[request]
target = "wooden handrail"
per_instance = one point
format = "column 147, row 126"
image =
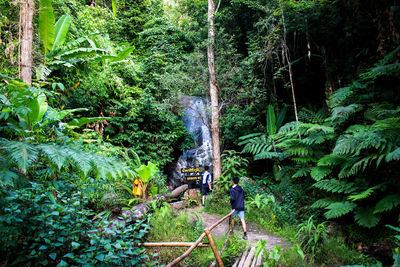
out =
column 195, row 244
column 171, row 244
column 184, row 255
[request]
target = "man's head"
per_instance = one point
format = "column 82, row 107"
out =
column 235, row 180
column 206, row 168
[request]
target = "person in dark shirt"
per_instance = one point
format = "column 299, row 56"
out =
column 205, row 184
column 237, row 202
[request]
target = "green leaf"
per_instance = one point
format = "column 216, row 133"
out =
column 123, row 54
column 42, row 247
column 61, row 30
column 75, row 245
column 53, row 256
column 17, row 84
column 69, row 255
column 281, row 116
column 100, row 257
column 46, row 25
column 62, row 264
column 38, row 107
column 114, row 7
column 271, row 122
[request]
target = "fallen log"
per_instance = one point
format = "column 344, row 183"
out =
column 141, row 209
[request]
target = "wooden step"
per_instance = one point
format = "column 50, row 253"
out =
column 249, row 258
column 244, row 256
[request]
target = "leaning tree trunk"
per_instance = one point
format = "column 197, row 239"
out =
column 286, row 53
column 26, row 13
column 217, row 168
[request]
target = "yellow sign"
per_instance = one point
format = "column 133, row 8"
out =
column 186, row 170
column 193, row 178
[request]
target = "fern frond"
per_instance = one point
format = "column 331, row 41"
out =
column 249, row 136
column 346, row 144
column 321, row 203
column 365, row 216
column 320, row 172
column 303, row 172
column 305, row 159
column 338, row 209
column 314, row 139
column 341, row 96
column 81, row 160
column 7, row 177
column 347, row 168
column 335, row 186
column 342, row 114
column 23, row 154
column 289, row 127
column 57, row 155
column 364, row 194
column 331, row 160
column 387, row 203
column 269, row 155
column 394, row 155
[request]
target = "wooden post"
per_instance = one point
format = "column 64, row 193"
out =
column 214, row 248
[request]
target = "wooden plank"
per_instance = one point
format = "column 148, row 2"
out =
column 244, row 256
column 249, row 258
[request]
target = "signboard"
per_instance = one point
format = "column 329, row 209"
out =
column 193, row 176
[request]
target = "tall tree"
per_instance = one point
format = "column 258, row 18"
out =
column 217, row 168
column 26, row 18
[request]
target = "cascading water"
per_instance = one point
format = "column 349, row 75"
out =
column 196, row 122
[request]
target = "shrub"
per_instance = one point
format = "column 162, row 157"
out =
column 51, row 226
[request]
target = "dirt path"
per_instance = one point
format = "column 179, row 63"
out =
column 254, row 233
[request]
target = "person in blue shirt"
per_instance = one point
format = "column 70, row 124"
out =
column 237, row 202
column 205, row 184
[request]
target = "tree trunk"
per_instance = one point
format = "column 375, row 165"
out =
column 286, row 54
column 217, row 168
column 26, row 14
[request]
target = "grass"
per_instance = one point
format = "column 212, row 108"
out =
column 168, row 225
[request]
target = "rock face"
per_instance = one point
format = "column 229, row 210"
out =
column 196, row 122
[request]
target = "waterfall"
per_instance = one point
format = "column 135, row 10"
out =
column 196, row 123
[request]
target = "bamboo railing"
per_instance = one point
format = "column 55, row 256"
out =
column 197, row 243
column 207, row 232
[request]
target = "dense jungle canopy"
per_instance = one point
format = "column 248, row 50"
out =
column 308, row 106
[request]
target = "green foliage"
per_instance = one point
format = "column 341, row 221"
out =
column 232, row 165
column 51, row 225
column 311, row 237
column 46, row 25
